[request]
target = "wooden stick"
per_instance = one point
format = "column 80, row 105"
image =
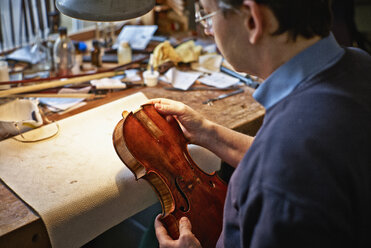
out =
column 58, row 83
column 55, row 95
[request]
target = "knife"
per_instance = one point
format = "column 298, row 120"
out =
column 223, row 96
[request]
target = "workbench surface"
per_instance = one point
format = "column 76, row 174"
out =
column 21, row 226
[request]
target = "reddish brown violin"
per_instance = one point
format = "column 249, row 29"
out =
column 156, row 150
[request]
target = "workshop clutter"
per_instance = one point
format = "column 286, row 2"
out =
column 186, row 52
column 19, row 116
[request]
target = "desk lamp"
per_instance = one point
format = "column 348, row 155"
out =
column 104, row 10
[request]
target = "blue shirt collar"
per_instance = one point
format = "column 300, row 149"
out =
column 300, row 68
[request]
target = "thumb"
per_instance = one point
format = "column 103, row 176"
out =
column 185, row 226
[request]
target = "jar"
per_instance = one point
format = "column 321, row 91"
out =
column 124, row 53
column 4, row 75
column 64, row 54
column 95, row 54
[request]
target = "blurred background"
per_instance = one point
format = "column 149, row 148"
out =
column 22, row 21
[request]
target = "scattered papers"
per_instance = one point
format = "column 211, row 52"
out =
column 132, row 75
column 25, row 54
column 184, row 80
column 219, row 80
column 74, row 91
column 138, row 36
column 210, row 48
column 108, row 83
column 180, row 79
column 208, row 63
column 62, row 104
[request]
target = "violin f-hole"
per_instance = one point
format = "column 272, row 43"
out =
column 182, row 208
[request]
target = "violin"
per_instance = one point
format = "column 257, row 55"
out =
column 156, row 150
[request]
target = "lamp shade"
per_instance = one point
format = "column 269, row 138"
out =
column 104, row 10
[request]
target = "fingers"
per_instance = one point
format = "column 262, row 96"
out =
column 161, row 101
column 191, row 122
column 168, row 107
column 185, row 226
column 186, row 237
column 161, row 232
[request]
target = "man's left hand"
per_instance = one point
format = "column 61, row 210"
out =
column 186, row 237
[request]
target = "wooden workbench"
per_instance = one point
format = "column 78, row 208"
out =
column 20, row 226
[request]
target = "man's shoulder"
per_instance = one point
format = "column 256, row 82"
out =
column 340, row 91
column 323, row 123
column 358, row 54
column 311, row 131
column 320, row 110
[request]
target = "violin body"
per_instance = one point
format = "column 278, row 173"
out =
column 156, row 150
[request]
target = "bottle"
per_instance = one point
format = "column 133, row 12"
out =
column 54, row 20
column 124, row 53
column 80, row 50
column 96, row 58
column 64, row 54
column 52, row 38
column 4, row 75
column 40, row 56
column 108, row 39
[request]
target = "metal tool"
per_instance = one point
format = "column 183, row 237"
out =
column 223, row 96
column 196, row 88
column 246, row 80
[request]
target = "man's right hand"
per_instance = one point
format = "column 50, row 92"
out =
column 227, row 144
column 195, row 127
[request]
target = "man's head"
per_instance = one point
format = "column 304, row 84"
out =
column 307, row 18
column 257, row 36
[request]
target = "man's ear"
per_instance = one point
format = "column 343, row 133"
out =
column 254, row 22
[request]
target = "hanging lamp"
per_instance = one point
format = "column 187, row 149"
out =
column 104, row 10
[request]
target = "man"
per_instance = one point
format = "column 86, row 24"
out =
column 305, row 180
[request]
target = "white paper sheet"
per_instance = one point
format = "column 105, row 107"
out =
column 132, row 75
column 180, row 79
column 74, row 91
column 219, row 80
column 108, row 83
column 59, row 104
column 208, row 63
column 62, row 105
column 138, row 36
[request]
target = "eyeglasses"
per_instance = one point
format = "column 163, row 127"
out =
column 204, row 18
